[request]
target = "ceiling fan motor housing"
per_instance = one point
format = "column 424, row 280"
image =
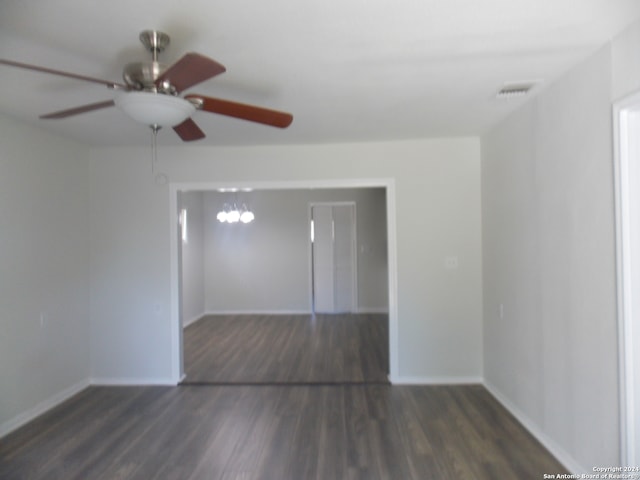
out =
column 143, row 75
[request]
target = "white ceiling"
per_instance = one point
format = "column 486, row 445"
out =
column 348, row 70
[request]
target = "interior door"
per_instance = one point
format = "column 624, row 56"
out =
column 334, row 258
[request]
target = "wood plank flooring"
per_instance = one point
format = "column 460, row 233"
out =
column 319, row 432
column 249, row 349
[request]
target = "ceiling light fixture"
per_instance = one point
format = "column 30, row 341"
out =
column 231, row 213
column 155, row 109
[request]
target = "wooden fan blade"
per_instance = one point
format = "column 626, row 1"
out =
column 244, row 111
column 191, row 69
column 62, row 74
column 77, row 110
column 189, row 131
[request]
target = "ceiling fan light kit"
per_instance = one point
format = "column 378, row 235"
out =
column 154, row 109
column 150, row 94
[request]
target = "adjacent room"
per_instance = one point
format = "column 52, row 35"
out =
column 294, row 293
column 291, row 240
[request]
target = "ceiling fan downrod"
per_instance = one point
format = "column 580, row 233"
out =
column 155, row 42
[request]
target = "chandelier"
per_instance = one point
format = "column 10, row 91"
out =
column 232, row 213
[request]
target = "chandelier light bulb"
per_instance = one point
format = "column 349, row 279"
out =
column 247, row 216
column 222, row 216
column 233, row 216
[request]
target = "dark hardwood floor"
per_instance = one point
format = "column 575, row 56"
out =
column 305, row 425
column 319, row 432
column 249, row 349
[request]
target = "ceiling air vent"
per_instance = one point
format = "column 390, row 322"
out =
column 514, row 90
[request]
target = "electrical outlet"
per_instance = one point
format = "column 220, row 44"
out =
column 450, row 263
column 43, row 319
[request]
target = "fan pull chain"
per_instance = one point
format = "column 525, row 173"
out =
column 154, row 147
column 159, row 178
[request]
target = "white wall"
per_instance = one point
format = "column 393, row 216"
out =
column 129, row 243
column 549, row 258
column 264, row 266
column 626, row 62
column 44, row 260
column 192, row 257
column 438, row 214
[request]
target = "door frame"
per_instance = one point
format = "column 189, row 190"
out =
column 354, row 250
column 177, row 365
column 628, row 350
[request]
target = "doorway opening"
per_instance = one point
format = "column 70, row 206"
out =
column 627, row 184
column 268, row 288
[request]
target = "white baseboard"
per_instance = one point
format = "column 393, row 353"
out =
column 259, row 312
column 193, row 320
column 416, row 380
column 42, row 407
column 556, row 450
column 132, row 382
column 281, row 312
column 373, row 310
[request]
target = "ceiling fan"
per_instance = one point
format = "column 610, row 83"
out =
column 150, row 92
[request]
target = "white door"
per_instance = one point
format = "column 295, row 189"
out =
column 334, row 258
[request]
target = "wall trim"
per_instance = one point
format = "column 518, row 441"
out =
column 418, row 380
column 556, row 450
column 279, row 312
column 42, row 407
column 373, row 310
column 133, row 382
column 625, row 203
column 193, row 320
column 258, row 312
